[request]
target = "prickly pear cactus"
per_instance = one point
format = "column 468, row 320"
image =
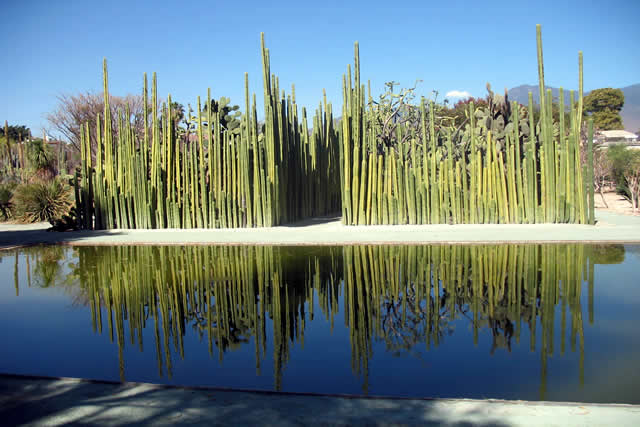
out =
column 229, row 114
column 498, row 118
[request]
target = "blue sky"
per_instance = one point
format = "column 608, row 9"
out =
column 56, row 47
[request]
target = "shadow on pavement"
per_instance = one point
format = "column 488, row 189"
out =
column 13, row 238
column 314, row 221
column 27, row 400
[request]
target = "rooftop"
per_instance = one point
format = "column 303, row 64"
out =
column 616, row 134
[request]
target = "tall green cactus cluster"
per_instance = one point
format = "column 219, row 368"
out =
column 254, row 177
column 502, row 167
column 301, row 169
column 527, row 173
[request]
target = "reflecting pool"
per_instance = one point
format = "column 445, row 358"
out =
column 533, row 322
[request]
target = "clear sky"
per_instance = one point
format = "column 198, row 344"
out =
column 54, row 47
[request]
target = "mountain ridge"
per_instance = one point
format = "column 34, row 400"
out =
column 630, row 111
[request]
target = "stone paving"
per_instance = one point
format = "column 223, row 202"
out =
column 52, row 402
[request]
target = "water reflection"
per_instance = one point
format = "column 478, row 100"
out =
column 406, row 297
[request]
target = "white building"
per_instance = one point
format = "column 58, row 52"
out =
column 611, row 137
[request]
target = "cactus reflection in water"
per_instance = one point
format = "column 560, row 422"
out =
column 404, row 296
column 224, row 293
column 410, row 295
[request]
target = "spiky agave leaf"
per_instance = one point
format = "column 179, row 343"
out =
column 42, row 201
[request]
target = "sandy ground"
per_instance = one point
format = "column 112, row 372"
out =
column 48, row 401
column 615, row 203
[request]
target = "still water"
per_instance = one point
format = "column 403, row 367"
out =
column 551, row 322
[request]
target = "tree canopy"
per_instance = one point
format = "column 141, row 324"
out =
column 604, row 106
column 73, row 111
column 16, row 132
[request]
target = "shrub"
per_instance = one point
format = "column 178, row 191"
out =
column 67, row 222
column 632, row 176
column 6, row 206
column 42, row 201
column 626, row 172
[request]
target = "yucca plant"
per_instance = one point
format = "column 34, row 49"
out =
column 42, row 201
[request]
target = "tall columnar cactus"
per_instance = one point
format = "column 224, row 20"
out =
column 503, row 168
column 8, row 147
column 589, row 174
column 229, row 176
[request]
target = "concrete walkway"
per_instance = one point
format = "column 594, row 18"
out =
column 39, row 401
column 610, row 227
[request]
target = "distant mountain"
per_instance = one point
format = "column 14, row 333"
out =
column 630, row 112
column 521, row 94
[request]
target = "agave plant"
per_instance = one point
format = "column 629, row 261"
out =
column 6, row 206
column 42, row 201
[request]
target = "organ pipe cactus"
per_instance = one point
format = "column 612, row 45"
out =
column 505, row 168
column 230, row 176
column 502, row 167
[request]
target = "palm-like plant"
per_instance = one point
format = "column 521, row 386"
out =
column 41, row 159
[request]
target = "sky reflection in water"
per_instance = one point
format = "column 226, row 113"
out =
column 552, row 322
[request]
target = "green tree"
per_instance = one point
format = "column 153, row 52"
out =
column 177, row 117
column 626, row 171
column 605, row 105
column 617, row 154
column 16, row 133
column 41, row 159
column 6, row 204
column 396, row 116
